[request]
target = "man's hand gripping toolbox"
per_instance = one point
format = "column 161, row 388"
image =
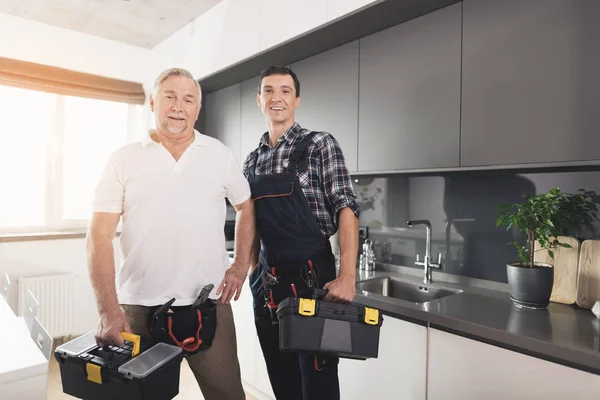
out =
column 133, row 371
column 348, row 330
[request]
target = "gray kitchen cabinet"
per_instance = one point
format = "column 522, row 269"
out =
column 253, row 120
column 531, row 87
column 329, row 97
column 409, row 98
column 223, row 117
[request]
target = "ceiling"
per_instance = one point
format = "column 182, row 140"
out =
column 143, row 23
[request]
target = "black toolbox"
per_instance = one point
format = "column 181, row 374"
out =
column 122, row 373
column 317, row 326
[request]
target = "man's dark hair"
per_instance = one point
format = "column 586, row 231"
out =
column 278, row 70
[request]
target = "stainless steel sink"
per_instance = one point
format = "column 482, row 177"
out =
column 401, row 290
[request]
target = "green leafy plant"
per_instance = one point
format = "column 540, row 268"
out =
column 546, row 216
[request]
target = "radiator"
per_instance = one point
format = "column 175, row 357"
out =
column 55, row 295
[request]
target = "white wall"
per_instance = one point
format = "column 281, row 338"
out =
column 49, row 257
column 234, row 30
column 45, row 44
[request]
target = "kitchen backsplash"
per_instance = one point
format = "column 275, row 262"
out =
column 462, row 208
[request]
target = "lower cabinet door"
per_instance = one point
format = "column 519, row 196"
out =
column 398, row 373
column 461, row 368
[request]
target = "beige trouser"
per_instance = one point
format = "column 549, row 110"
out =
column 216, row 369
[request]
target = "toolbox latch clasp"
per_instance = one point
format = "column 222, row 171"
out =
column 371, row 316
column 94, row 372
column 307, row 307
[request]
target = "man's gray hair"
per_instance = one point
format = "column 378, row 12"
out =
column 175, row 72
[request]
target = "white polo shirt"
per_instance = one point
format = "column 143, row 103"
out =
column 173, row 217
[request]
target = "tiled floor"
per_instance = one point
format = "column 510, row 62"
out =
column 188, row 387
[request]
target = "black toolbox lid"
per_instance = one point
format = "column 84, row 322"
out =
column 352, row 312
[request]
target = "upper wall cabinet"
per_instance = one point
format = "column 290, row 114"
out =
column 253, row 120
column 329, row 97
column 409, row 102
column 222, row 117
column 531, row 86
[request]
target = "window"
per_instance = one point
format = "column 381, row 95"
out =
column 53, row 149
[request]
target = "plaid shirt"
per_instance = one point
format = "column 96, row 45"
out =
column 326, row 183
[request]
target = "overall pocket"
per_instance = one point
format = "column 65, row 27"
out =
column 276, row 210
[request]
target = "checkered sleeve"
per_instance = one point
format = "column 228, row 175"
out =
column 246, row 165
column 336, row 181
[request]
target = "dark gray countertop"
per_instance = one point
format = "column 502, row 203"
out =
column 563, row 334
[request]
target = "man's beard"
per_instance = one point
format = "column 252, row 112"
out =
column 174, row 130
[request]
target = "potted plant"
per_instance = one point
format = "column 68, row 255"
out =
column 543, row 218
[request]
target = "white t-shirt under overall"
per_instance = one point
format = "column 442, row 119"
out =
column 173, row 216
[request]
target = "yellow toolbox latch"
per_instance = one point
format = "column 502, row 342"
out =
column 307, row 307
column 371, row 316
column 94, row 372
column 135, row 339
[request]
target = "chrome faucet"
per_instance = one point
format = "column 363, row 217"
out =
column 427, row 264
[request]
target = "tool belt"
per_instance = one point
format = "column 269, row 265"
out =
column 191, row 327
column 289, row 281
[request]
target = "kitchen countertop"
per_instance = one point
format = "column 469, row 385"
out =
column 564, row 334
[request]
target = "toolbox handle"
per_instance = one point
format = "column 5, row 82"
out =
column 319, row 293
column 135, row 339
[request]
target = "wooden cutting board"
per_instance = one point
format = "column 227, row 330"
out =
column 565, row 263
column 588, row 279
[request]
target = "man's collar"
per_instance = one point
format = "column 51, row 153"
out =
column 147, row 139
column 289, row 136
column 199, row 139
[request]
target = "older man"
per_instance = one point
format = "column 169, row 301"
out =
column 170, row 191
